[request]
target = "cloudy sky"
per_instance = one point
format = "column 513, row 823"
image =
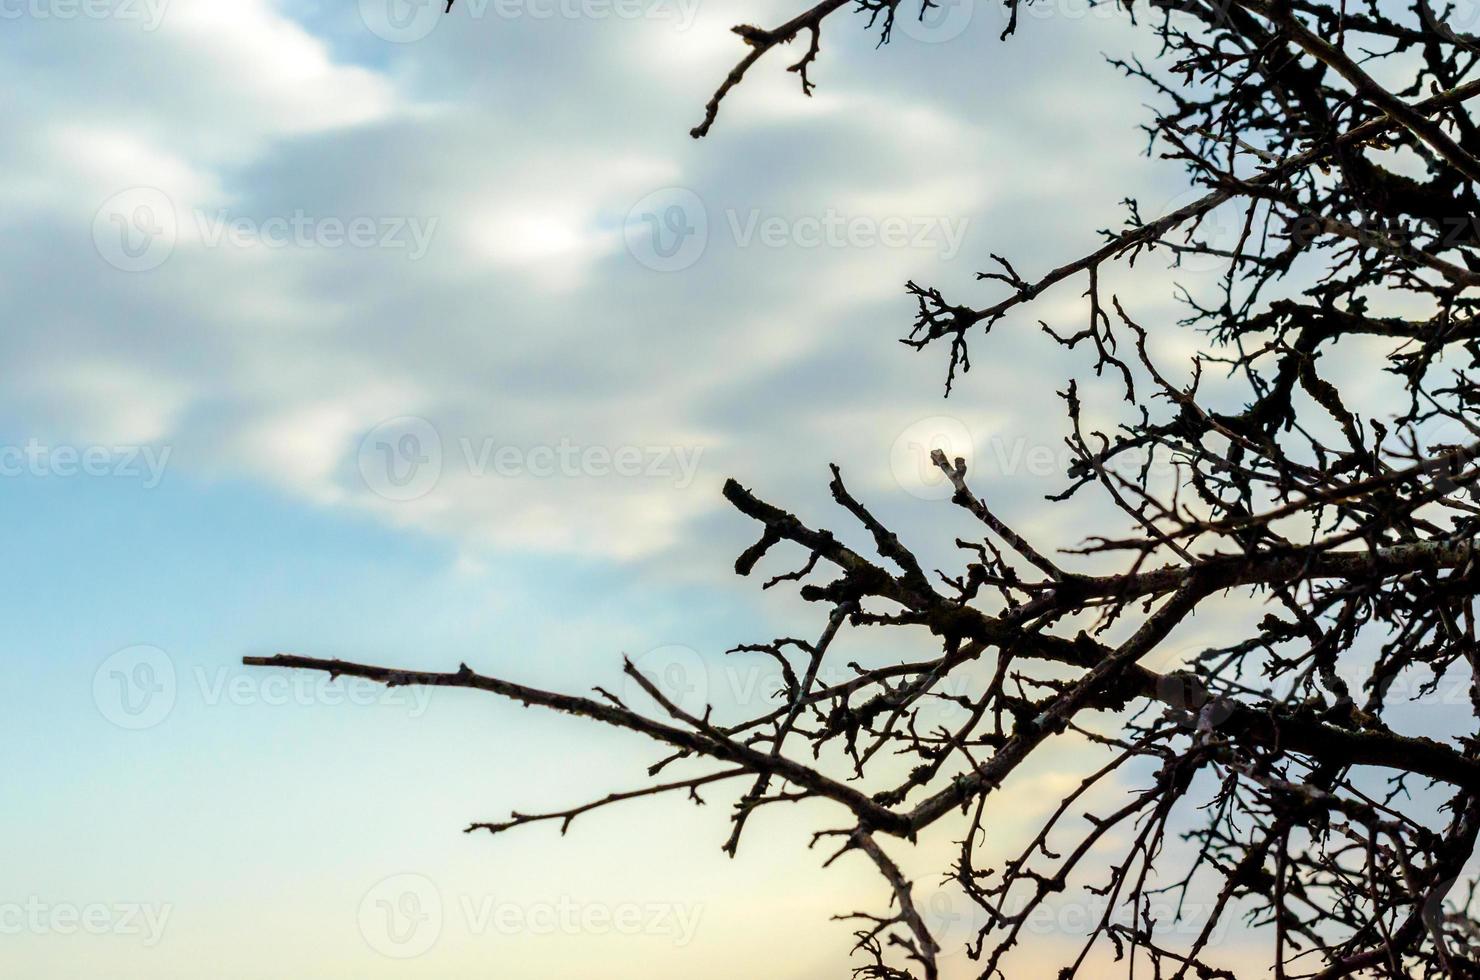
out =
column 352, row 330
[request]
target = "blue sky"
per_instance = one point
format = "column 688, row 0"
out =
column 507, row 296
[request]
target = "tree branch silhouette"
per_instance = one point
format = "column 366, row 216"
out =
column 1266, row 778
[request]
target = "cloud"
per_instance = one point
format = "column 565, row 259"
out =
column 263, row 346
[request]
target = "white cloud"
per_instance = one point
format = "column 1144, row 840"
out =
column 101, row 402
column 527, row 324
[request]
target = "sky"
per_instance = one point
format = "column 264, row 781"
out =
column 352, row 330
